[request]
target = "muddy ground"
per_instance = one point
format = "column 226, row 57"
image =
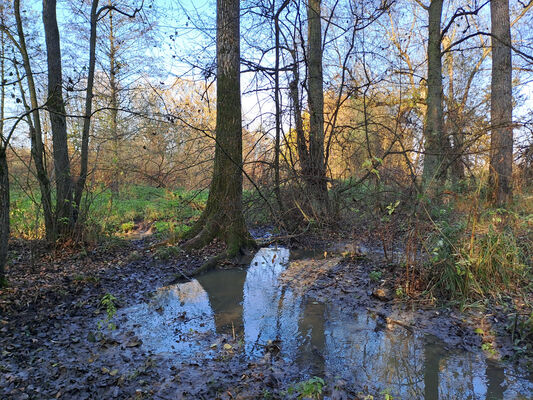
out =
column 54, row 341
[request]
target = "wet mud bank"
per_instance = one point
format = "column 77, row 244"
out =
column 260, row 331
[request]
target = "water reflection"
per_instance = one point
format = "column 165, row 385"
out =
column 270, row 312
column 225, row 291
column 177, row 319
column 323, row 339
column 359, row 348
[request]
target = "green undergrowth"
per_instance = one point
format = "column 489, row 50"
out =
column 170, row 212
column 476, row 251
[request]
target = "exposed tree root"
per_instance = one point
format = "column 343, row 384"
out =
column 211, row 264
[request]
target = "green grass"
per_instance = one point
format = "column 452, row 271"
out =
column 171, row 211
column 25, row 215
column 477, row 251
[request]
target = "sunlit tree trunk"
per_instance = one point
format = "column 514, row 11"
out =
column 317, row 179
column 435, row 144
column 56, row 108
column 223, row 216
column 501, row 108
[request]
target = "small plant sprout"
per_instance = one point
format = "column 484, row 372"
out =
column 375, row 275
column 108, row 303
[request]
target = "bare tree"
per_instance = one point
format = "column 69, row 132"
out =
column 501, row 110
column 84, row 156
column 223, row 215
column 56, row 108
column 4, row 172
column 435, row 140
column 317, row 174
column 33, row 119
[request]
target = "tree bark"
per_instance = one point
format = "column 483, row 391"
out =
column 4, row 173
column 301, row 142
column 4, row 212
column 317, row 180
column 223, row 216
column 113, row 86
column 454, row 126
column 56, row 108
column 36, row 135
column 277, row 101
column 84, row 156
column 435, row 147
column 501, row 108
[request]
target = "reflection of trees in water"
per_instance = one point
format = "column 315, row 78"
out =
column 269, row 312
column 462, row 376
column 324, row 339
column 432, row 361
column 362, row 351
column 358, row 349
column 310, row 354
column 171, row 321
column 470, row 376
column 225, row 290
column 496, row 381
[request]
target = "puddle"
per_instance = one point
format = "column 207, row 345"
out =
column 322, row 339
column 179, row 319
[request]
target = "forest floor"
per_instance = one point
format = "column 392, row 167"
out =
column 55, row 344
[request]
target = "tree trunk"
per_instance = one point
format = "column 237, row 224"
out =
column 36, row 136
column 84, row 156
column 4, row 173
column 454, row 126
column 501, row 107
column 223, row 216
column 277, row 101
column 301, row 145
column 56, row 108
column 317, row 180
column 4, row 213
column 113, row 86
column 435, row 140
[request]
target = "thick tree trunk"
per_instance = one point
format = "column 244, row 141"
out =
column 36, row 136
column 501, row 108
column 56, row 108
column 84, row 156
column 4, row 213
column 223, row 216
column 317, row 179
column 435, row 148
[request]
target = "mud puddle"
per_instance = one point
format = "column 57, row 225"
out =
column 326, row 339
